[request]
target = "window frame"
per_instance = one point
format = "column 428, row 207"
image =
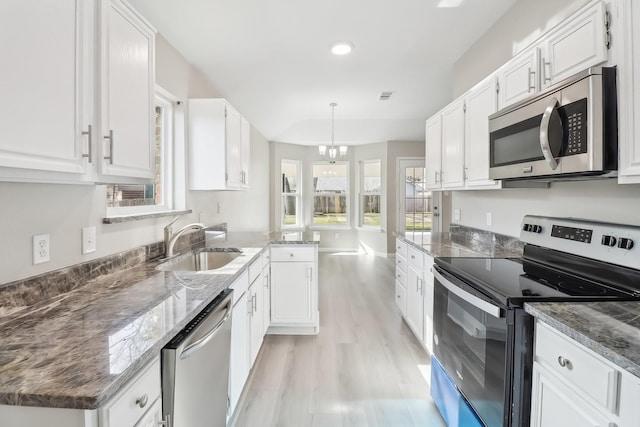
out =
column 166, row 101
column 298, row 197
column 348, row 209
column 362, row 194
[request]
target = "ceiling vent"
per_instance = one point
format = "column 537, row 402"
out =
column 384, row 96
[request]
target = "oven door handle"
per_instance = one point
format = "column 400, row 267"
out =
column 481, row 304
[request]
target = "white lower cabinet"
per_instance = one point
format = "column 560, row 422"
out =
column 153, row 417
column 239, row 355
column 294, row 289
column 415, row 293
column 574, row 386
column 256, row 318
column 266, row 297
column 428, row 303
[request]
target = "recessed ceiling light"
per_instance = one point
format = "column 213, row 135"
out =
column 341, row 48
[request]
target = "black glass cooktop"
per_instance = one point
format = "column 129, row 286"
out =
column 542, row 275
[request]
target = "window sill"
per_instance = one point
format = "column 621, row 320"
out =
column 371, row 229
column 116, row 219
column 330, row 227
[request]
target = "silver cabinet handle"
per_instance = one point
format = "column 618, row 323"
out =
column 546, row 64
column 565, row 363
column 89, row 144
column 532, row 85
column 142, row 400
column 110, row 156
column 436, row 175
column 266, row 281
column 545, row 145
column 255, row 302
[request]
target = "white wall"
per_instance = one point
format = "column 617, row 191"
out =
column 62, row 210
column 598, row 200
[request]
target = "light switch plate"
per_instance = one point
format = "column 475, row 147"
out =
column 489, row 218
column 456, row 214
column 88, row 240
column 41, row 248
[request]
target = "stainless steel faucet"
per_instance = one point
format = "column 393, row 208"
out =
column 170, row 237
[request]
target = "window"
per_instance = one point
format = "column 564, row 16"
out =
column 138, row 198
column 330, row 194
column 416, row 206
column 370, row 193
column 291, row 196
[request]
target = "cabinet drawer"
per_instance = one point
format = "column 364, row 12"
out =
column 401, row 276
column 401, row 263
column 401, row 248
column 401, row 298
column 240, row 286
column 289, row 253
column 255, row 268
column 578, row 366
column 125, row 409
column 416, row 258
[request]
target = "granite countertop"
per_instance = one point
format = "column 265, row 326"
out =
column 464, row 244
column 610, row 329
column 78, row 348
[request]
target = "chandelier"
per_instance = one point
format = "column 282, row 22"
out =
column 331, row 153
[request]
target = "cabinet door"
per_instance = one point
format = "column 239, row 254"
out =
column 453, row 145
column 291, row 288
column 266, row 298
column 127, row 80
column 415, row 301
column 233, row 137
column 239, row 356
column 628, row 52
column 153, row 417
column 519, row 78
column 576, row 45
column 433, row 152
column 555, row 404
column 428, row 304
column 46, row 84
column 256, row 327
column 481, row 102
column 245, row 151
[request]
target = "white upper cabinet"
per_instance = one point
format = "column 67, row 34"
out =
column 577, row 44
column 433, row 152
column 519, row 78
column 126, row 146
column 628, row 53
column 480, row 102
column 216, row 146
column 452, row 174
column 46, row 88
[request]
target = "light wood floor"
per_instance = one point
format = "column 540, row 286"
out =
column 364, row 368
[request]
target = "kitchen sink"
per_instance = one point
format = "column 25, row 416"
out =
column 203, row 260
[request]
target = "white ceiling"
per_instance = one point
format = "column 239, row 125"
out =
column 271, row 60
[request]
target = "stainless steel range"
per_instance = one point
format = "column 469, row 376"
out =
column 483, row 339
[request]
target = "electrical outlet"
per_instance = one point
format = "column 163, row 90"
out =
column 489, row 218
column 41, row 248
column 88, row 240
column 456, row 214
column 219, row 206
column 336, row 235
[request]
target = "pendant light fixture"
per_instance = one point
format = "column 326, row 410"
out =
column 331, row 154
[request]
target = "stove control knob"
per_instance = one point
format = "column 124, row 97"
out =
column 609, row 241
column 625, row 243
column 537, row 229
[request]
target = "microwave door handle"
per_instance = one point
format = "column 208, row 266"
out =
column 545, row 145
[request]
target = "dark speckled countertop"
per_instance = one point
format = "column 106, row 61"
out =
column 610, row 329
column 76, row 349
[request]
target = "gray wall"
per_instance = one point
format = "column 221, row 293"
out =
column 62, row 210
column 599, row 200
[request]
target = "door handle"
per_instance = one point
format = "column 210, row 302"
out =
column 545, row 145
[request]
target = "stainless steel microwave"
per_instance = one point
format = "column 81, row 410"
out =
column 568, row 130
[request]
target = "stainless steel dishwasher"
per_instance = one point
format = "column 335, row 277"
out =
column 195, row 368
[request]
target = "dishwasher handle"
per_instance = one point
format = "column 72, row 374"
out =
column 192, row 348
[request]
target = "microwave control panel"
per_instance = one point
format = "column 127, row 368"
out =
column 576, row 127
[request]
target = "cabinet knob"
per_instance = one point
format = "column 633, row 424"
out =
column 565, row 363
column 291, row 255
column 142, row 400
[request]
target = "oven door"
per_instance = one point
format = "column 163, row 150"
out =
column 470, row 342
